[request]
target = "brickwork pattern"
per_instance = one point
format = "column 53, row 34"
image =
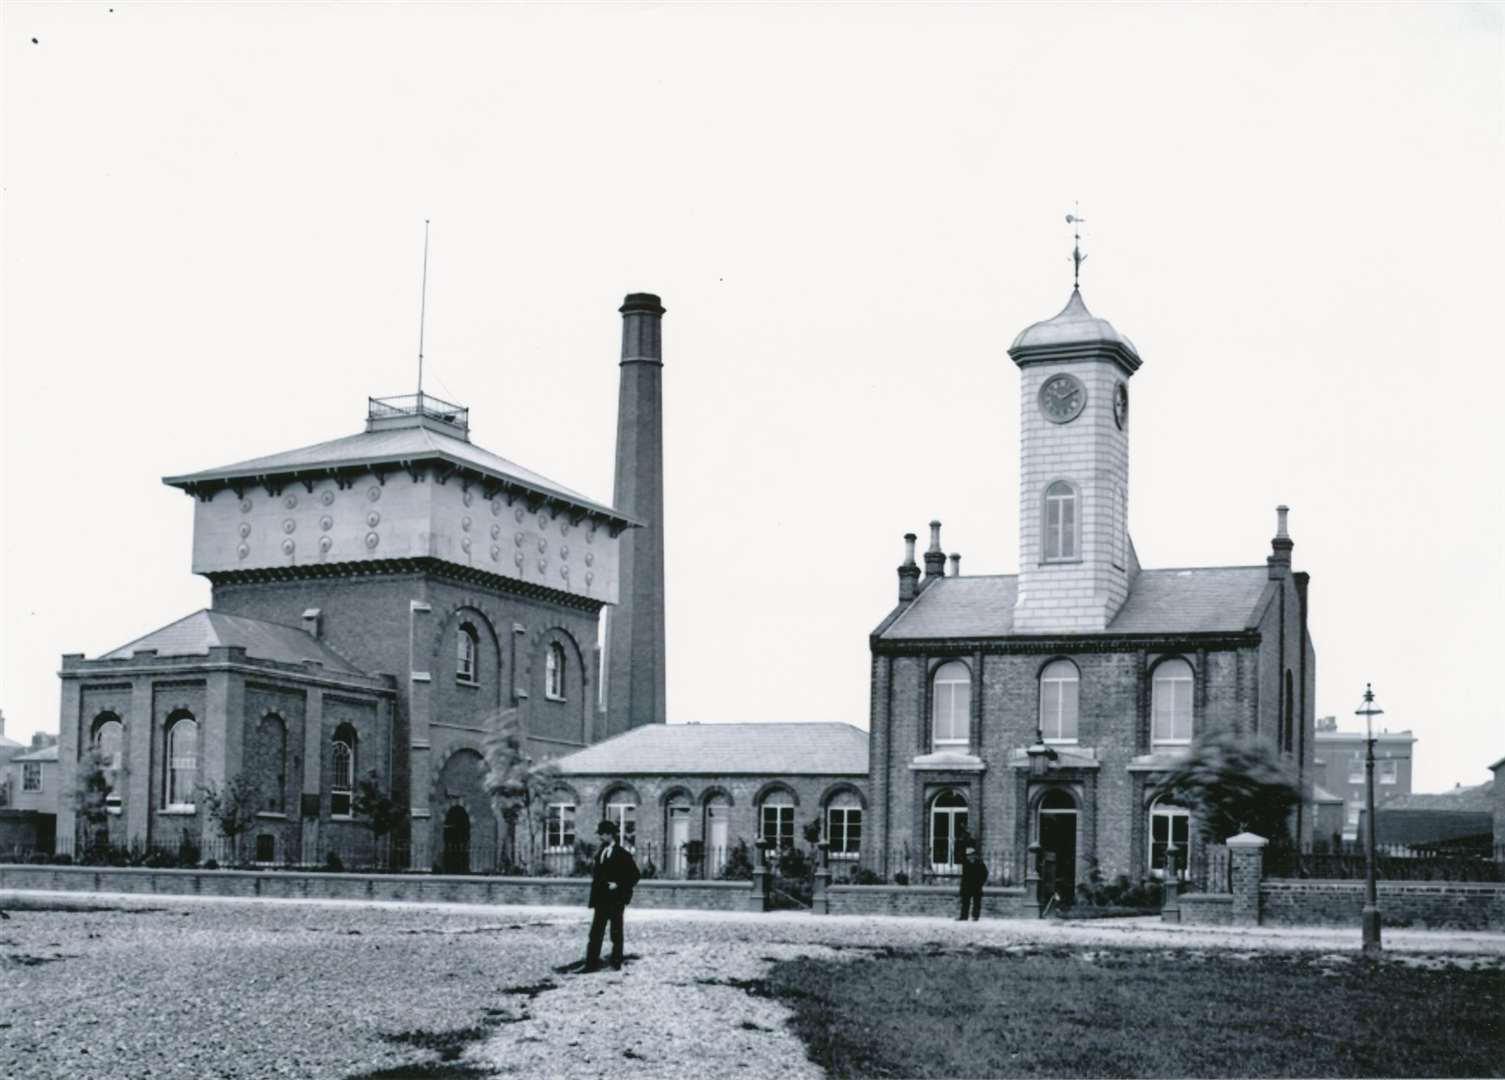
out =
column 1434, row 904
column 932, row 900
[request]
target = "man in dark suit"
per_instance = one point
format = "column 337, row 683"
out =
column 612, row 880
column 974, row 877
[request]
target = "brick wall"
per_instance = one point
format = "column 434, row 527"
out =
column 933, row 900
column 1450, row 904
column 1206, row 909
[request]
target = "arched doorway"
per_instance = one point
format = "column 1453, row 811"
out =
column 948, row 832
column 457, row 841
column 1058, row 819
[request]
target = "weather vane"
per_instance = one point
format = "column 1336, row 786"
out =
column 1077, row 258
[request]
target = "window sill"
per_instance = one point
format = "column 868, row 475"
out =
column 341, row 817
column 271, row 815
column 461, row 680
column 845, row 856
column 1061, row 562
column 178, row 811
column 1062, row 742
column 554, row 697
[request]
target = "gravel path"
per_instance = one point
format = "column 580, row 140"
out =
column 185, row 987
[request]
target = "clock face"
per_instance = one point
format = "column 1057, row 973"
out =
column 1062, row 398
column 1121, row 406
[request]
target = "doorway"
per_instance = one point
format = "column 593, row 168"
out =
column 456, row 858
column 1058, row 821
column 679, row 839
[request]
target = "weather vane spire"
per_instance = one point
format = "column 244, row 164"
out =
column 423, row 300
column 1077, row 258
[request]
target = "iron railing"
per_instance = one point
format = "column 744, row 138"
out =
column 1392, row 862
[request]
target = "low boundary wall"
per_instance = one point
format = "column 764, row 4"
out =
column 1206, row 909
column 1456, row 905
column 1006, row 902
column 438, row 889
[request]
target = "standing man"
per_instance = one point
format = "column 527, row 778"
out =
column 974, row 877
column 612, row 880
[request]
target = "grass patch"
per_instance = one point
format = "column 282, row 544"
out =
column 449, row 1045
column 1134, row 1013
column 434, row 1070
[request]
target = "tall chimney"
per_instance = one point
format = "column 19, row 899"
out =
column 935, row 558
column 1279, row 561
column 909, row 572
column 635, row 627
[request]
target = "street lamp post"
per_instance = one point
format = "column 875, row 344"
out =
column 1370, row 919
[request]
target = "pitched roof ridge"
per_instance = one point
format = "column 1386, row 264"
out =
column 1181, row 569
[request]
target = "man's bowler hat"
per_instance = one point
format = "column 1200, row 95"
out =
column 607, row 828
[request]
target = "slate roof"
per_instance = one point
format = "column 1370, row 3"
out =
column 1479, row 798
column 390, row 446
column 193, row 635
column 782, row 749
column 46, row 753
column 1214, row 599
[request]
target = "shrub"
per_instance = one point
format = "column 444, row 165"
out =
column 62, row 858
column 901, row 878
column 157, row 859
column 649, row 869
column 211, row 864
column 739, row 863
column 37, row 857
column 335, row 864
column 794, row 865
column 864, row 876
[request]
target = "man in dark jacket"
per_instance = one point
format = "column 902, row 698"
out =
column 974, row 877
column 612, row 880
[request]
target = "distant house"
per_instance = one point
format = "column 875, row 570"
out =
column 1328, row 814
column 1340, row 767
column 34, row 783
column 1448, row 818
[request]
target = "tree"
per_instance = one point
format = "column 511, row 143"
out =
column 91, row 789
column 233, row 809
column 1234, row 783
column 379, row 811
column 518, row 785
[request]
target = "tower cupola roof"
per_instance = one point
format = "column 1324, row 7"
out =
column 1074, row 334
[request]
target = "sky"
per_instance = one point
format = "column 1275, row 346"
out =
column 213, row 232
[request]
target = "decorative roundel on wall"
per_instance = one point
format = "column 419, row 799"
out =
column 289, row 525
column 465, row 523
column 590, row 558
column 496, row 552
column 543, row 545
column 245, row 506
column 287, row 546
column 518, row 514
column 543, row 566
column 518, row 559
column 590, row 576
column 496, row 507
column 290, row 502
column 373, row 492
column 564, row 572
column 518, row 539
column 564, row 528
column 590, row 536
column 496, row 531
column 243, row 551
column 564, row 551
column 245, row 529
column 325, row 543
column 326, row 497
column 372, row 540
column 326, row 523
column 373, row 519
column 465, row 544
column 466, row 498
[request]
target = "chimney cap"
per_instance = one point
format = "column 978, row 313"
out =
column 641, row 301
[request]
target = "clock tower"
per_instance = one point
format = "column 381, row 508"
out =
column 1075, row 559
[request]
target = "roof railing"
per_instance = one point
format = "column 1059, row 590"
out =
column 418, row 405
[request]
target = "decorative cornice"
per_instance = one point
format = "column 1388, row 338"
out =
column 1093, row 641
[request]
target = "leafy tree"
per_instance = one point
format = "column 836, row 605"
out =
column 518, row 785
column 1234, row 783
column 233, row 809
column 91, row 789
column 377, row 810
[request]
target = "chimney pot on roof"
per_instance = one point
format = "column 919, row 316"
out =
column 935, row 558
column 909, row 573
column 956, row 564
column 1279, row 561
column 311, row 621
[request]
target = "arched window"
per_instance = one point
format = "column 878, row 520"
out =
column 182, row 762
column 1171, row 704
column 1169, row 824
column 948, row 831
column 109, row 741
column 718, row 815
column 844, row 825
column 554, row 673
column 342, row 778
column 622, row 811
column 465, row 658
column 1058, row 701
column 1060, row 533
column 951, row 705
column 776, row 819
column 272, row 734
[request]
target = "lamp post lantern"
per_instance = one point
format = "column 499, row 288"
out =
column 1370, row 918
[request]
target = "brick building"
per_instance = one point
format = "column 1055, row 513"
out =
column 1340, row 767
column 377, row 601
column 691, row 793
column 1045, row 706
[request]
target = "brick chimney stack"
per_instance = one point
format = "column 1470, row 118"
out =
column 935, row 558
column 635, row 627
column 1279, row 561
column 909, row 572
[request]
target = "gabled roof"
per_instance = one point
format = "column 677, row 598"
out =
column 783, row 749
column 1479, row 798
column 391, row 446
column 1219, row 599
column 8, row 744
column 194, row 635
column 46, row 753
